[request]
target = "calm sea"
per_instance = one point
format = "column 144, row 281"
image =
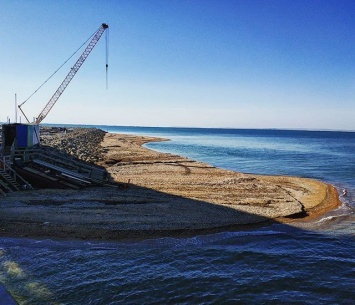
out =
column 313, row 263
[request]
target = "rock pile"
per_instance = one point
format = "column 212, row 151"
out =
column 81, row 143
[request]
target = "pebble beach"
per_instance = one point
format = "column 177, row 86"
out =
column 156, row 194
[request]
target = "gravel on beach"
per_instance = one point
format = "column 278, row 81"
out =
column 156, row 194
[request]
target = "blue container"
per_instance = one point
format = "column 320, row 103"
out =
column 22, row 136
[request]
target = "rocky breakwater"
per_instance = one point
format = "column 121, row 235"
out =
column 81, row 143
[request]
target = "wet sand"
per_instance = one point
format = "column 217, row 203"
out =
column 158, row 194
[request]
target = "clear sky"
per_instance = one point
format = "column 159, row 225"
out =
column 238, row 64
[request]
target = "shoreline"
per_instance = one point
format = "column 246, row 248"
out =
column 162, row 195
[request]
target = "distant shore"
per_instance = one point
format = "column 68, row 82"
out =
column 157, row 194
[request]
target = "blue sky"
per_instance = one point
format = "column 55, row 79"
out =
column 239, row 64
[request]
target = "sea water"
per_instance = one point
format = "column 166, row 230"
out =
column 313, row 263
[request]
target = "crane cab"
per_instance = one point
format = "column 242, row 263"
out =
column 19, row 136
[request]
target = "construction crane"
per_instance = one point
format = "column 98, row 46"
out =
column 96, row 37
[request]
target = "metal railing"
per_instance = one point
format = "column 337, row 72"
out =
column 5, row 161
column 16, row 177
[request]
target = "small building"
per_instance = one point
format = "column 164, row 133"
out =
column 19, row 136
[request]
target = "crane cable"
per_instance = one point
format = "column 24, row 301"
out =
column 58, row 70
column 107, row 49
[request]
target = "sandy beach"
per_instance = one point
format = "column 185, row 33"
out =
column 157, row 194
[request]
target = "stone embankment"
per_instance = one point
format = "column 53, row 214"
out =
column 81, row 143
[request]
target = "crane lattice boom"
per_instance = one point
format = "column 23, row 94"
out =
column 71, row 73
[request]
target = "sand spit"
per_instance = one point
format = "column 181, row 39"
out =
column 156, row 194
